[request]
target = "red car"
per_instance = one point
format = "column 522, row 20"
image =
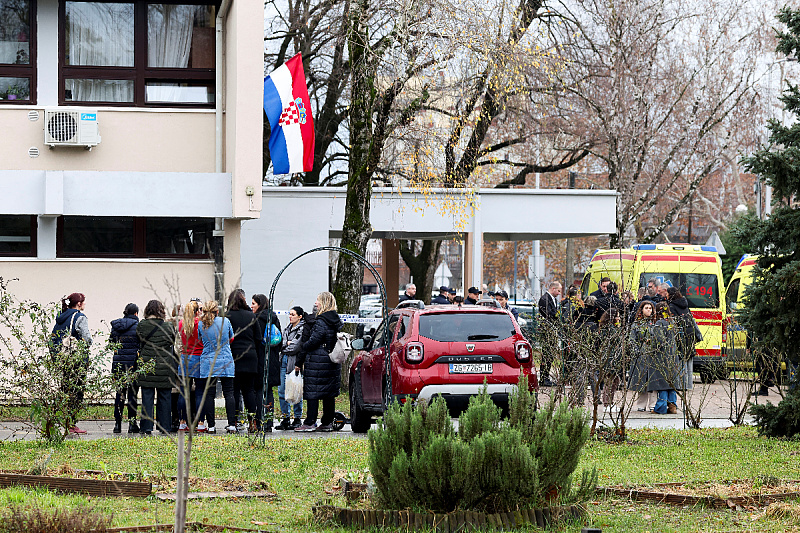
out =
column 443, row 350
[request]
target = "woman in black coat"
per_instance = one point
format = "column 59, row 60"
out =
column 321, row 376
column 123, row 332
column 244, row 347
column 260, row 306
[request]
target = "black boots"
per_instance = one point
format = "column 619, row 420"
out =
column 132, row 426
column 118, row 426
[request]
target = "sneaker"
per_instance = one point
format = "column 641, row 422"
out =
column 75, row 430
column 306, row 428
column 201, row 427
column 241, row 426
column 285, row 425
column 118, row 426
column 672, row 409
column 212, row 430
column 148, row 433
column 296, row 424
column 133, row 427
column 232, row 429
column 327, row 428
column 546, row 382
column 183, row 426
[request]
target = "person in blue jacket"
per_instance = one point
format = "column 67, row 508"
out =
column 216, row 363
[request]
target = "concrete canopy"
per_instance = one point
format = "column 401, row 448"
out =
column 296, row 219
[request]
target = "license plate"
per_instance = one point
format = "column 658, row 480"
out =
column 471, row 368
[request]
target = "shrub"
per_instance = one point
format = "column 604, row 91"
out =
column 19, row 519
column 782, row 420
column 418, row 461
column 35, row 373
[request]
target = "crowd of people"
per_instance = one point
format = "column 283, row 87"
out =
column 655, row 337
column 179, row 360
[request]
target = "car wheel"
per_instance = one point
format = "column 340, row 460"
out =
column 360, row 421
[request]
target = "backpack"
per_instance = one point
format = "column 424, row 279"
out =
column 341, row 348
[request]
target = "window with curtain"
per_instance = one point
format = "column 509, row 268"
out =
column 138, row 52
column 17, row 52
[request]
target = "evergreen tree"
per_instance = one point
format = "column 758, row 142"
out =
column 772, row 313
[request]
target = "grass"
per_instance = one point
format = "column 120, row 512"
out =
column 299, row 471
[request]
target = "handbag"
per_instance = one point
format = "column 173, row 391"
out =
column 272, row 336
column 341, row 348
column 70, row 343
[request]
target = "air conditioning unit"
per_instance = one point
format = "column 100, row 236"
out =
column 71, row 126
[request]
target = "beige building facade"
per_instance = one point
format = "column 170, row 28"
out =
column 131, row 148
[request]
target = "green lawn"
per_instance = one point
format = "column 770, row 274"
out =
column 299, row 471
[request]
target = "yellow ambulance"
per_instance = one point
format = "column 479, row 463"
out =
column 695, row 270
column 734, row 298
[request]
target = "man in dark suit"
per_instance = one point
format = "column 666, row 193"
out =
column 548, row 311
column 442, row 298
column 410, row 294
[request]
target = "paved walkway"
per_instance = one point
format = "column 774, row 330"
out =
column 713, row 401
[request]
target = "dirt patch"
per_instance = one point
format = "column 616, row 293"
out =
column 161, row 483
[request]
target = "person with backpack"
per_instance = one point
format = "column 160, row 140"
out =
column 191, row 350
column 123, row 332
column 269, row 361
column 157, row 341
column 321, row 376
column 247, row 339
column 73, row 324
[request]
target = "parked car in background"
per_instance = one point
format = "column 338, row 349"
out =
column 451, row 351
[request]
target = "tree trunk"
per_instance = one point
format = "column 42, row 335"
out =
column 422, row 265
column 357, row 230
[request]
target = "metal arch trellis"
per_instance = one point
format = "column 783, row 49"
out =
column 384, row 309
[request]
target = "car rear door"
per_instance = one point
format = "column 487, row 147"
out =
column 373, row 365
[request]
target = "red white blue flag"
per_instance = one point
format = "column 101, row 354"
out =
column 286, row 102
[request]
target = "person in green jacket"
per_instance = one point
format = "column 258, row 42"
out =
column 157, row 342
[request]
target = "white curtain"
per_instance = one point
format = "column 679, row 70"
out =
column 100, row 35
column 169, row 42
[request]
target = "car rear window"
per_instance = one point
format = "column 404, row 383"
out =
column 466, row 327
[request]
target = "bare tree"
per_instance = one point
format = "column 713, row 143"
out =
column 655, row 85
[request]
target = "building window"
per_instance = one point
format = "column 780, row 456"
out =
column 138, row 53
column 17, row 52
column 187, row 238
column 17, row 235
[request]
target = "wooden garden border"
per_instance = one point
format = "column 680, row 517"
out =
column 445, row 523
column 685, row 499
column 93, row 487
column 190, row 526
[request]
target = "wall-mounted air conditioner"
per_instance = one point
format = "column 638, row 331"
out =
column 71, row 126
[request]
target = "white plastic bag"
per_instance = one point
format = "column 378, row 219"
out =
column 293, row 393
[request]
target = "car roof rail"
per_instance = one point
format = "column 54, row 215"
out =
column 488, row 302
column 416, row 304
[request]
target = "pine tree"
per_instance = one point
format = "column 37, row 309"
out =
column 772, row 314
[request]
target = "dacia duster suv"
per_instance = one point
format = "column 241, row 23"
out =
column 440, row 350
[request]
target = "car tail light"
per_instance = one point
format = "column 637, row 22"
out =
column 523, row 351
column 415, row 351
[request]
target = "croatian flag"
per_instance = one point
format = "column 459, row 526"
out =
column 291, row 143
